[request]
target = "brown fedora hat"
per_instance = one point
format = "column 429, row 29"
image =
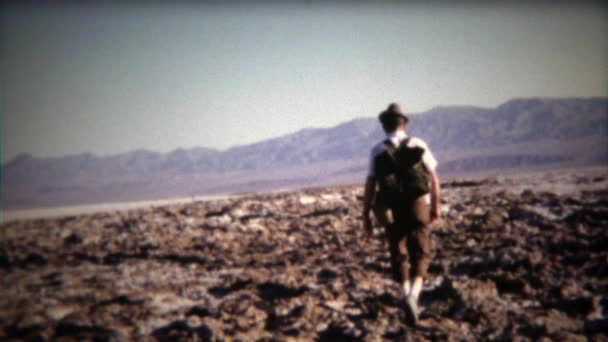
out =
column 392, row 110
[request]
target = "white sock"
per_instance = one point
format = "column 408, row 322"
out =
column 406, row 288
column 416, row 287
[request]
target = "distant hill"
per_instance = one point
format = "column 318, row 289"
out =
column 520, row 133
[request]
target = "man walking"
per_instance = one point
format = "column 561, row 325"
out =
column 404, row 169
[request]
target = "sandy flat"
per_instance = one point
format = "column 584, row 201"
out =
column 17, row 214
column 11, row 215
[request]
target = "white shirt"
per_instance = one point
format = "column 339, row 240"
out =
column 396, row 138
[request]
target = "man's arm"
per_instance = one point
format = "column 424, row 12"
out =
column 431, row 164
column 368, row 196
column 435, row 199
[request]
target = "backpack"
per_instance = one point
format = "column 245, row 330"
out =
column 401, row 173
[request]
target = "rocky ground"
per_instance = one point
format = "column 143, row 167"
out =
column 521, row 257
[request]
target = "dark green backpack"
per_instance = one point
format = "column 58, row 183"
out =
column 401, row 173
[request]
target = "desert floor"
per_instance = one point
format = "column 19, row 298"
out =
column 514, row 257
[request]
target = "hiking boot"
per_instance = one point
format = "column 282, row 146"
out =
column 411, row 308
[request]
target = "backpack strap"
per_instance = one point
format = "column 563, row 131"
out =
column 405, row 141
column 390, row 148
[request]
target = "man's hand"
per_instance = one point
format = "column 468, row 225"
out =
column 435, row 213
column 367, row 227
column 435, row 201
column 368, row 195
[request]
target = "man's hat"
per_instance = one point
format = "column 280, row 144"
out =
column 393, row 110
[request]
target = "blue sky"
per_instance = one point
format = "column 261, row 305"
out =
column 112, row 78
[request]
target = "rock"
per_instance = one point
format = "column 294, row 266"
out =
column 494, row 218
column 478, row 211
column 179, row 330
column 445, row 209
column 476, row 291
column 58, row 312
column 459, row 207
column 597, row 309
column 507, row 284
column 337, row 305
column 535, row 258
column 527, row 193
column 572, row 289
column 556, row 322
column 568, row 336
column 330, row 197
column 73, row 239
column 194, row 321
column 326, row 275
column 306, row 200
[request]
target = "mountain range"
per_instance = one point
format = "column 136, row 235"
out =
column 519, row 134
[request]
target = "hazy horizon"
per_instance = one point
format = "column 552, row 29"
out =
column 107, row 79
